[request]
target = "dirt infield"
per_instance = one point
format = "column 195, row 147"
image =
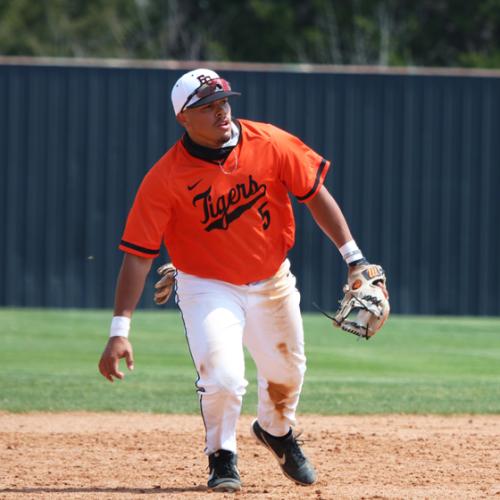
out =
column 125, row 456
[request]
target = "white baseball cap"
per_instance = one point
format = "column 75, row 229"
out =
column 198, row 87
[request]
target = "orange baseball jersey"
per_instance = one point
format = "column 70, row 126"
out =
column 232, row 221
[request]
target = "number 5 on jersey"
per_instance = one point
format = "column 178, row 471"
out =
column 266, row 216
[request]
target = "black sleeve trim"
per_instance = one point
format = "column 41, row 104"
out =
column 139, row 249
column 316, row 182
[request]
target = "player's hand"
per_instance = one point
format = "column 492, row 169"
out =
column 116, row 348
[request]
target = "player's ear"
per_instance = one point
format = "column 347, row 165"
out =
column 181, row 119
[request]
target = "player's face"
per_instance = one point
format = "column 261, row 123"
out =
column 208, row 125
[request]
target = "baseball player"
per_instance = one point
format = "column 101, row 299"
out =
column 219, row 201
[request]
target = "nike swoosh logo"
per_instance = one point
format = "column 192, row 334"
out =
column 192, row 186
column 281, row 459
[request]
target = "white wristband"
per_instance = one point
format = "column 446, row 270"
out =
column 350, row 252
column 120, row 326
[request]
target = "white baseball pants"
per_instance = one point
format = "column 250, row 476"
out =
column 221, row 318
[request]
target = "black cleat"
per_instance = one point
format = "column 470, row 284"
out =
column 287, row 452
column 224, row 475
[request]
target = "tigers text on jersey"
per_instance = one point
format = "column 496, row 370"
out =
column 232, row 222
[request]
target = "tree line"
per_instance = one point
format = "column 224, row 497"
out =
column 374, row 32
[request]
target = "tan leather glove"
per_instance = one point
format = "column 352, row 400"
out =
column 165, row 285
column 365, row 296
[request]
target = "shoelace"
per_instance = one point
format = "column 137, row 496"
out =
column 295, row 450
column 223, row 467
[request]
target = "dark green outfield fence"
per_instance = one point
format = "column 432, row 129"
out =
column 416, row 168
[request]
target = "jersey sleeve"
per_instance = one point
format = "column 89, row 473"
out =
column 303, row 171
column 148, row 218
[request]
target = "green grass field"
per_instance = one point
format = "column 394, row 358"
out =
column 49, row 358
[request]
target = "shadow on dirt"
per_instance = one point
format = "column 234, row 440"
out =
column 143, row 491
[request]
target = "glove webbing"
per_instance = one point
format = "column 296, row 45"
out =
column 346, row 323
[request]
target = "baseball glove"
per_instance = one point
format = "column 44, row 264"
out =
column 165, row 285
column 365, row 305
